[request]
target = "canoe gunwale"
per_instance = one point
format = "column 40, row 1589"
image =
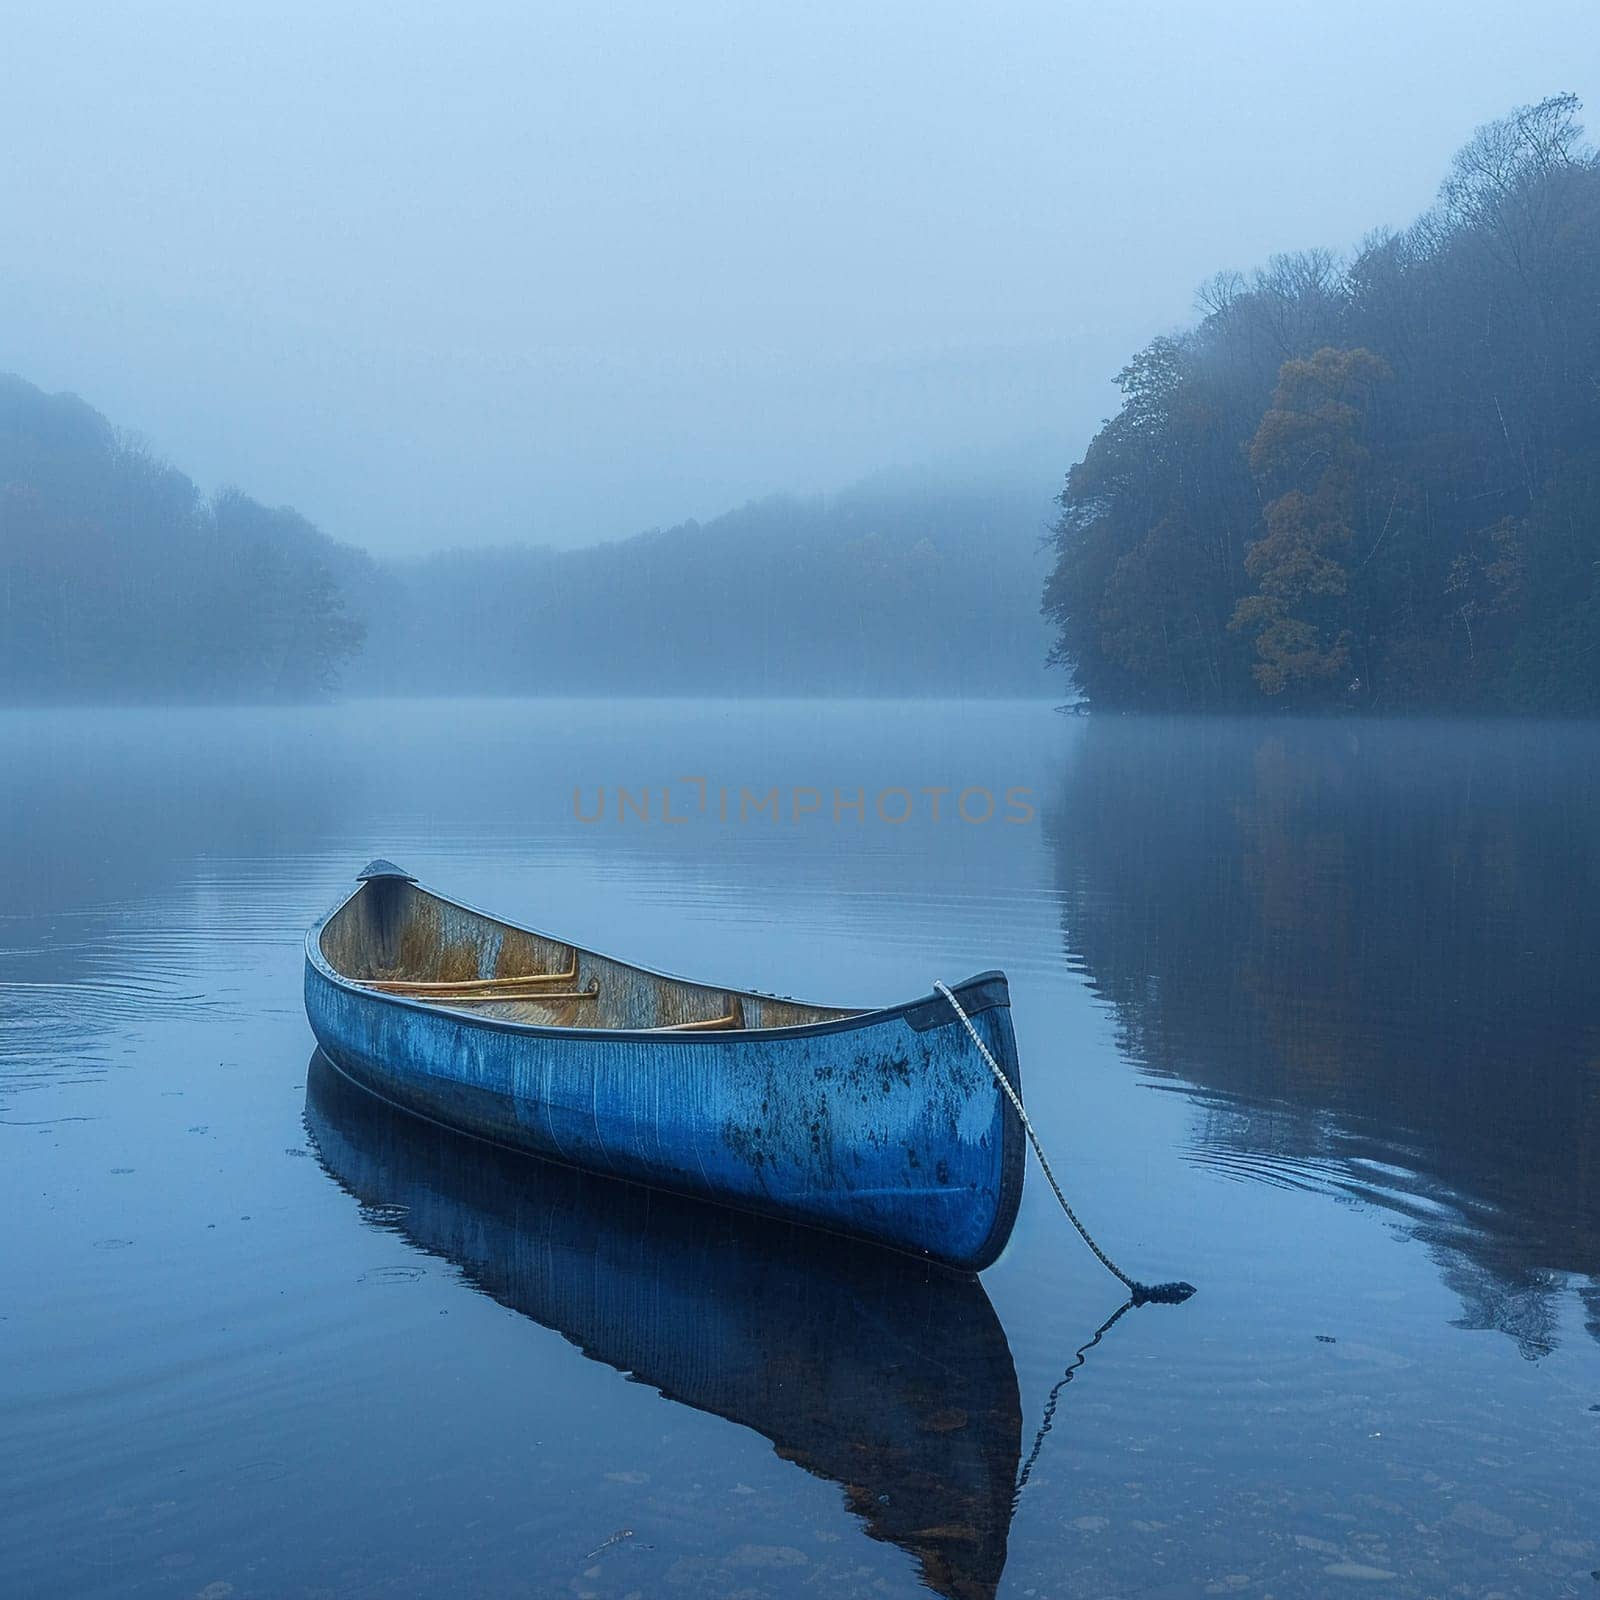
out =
column 920, row 1013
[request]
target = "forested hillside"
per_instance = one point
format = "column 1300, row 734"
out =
column 119, row 580
column 894, row 587
column 1369, row 483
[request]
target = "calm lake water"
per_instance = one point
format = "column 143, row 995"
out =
column 1308, row 1014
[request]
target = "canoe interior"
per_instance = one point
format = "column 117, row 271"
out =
column 399, row 938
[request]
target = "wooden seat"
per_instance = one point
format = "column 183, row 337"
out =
column 590, row 991
column 533, row 982
column 734, row 1018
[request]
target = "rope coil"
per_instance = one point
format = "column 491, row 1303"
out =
column 1142, row 1293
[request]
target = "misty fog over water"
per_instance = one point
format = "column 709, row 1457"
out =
column 560, row 274
column 618, row 351
column 823, row 501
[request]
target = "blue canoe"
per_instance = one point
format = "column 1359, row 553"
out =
column 886, row 1125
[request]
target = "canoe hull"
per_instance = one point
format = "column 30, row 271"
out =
column 887, row 1126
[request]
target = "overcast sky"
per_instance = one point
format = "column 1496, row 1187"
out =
column 466, row 274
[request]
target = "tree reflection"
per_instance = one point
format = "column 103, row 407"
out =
column 1371, row 949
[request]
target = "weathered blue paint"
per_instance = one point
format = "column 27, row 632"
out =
column 886, row 1125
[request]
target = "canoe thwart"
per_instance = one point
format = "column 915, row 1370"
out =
column 590, row 991
column 733, row 1018
column 515, row 981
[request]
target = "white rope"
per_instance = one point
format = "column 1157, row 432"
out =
column 1140, row 1291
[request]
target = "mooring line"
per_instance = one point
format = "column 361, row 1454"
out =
column 1048, row 1420
column 1141, row 1293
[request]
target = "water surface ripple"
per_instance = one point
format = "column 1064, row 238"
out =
column 1307, row 1014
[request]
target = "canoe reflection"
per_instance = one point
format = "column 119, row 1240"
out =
column 887, row 1376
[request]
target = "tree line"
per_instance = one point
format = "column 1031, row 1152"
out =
column 1370, row 483
column 120, row 580
column 899, row 586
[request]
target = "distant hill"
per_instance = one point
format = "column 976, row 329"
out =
column 894, row 587
column 120, row 581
